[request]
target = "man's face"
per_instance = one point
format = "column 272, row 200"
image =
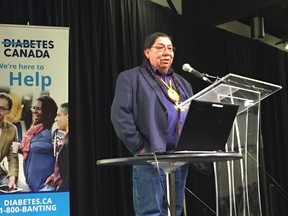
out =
column 3, row 109
column 61, row 119
column 161, row 54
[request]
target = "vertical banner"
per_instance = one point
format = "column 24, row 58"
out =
column 34, row 63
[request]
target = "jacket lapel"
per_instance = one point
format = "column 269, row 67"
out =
column 153, row 85
column 3, row 138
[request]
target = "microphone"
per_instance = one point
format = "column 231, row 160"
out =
column 186, row 67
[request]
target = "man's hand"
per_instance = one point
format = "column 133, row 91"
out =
column 50, row 180
column 12, row 182
column 142, row 151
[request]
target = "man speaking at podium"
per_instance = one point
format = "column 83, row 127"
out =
column 144, row 117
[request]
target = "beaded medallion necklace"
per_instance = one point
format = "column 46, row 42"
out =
column 171, row 94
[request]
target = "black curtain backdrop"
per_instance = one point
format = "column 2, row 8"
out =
column 106, row 37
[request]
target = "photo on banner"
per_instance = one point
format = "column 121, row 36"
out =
column 34, row 72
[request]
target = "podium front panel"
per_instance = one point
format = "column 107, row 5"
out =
column 237, row 182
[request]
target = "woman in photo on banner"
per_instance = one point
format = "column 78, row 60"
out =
column 36, row 145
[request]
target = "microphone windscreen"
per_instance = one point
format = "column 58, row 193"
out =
column 186, row 67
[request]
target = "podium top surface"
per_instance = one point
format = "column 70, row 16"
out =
column 189, row 157
column 235, row 89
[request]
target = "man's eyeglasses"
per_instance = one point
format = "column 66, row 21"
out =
column 3, row 108
column 35, row 108
column 162, row 48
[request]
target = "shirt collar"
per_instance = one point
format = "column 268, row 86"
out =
column 170, row 72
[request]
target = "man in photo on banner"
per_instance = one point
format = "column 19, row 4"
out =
column 16, row 111
column 60, row 177
column 8, row 135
